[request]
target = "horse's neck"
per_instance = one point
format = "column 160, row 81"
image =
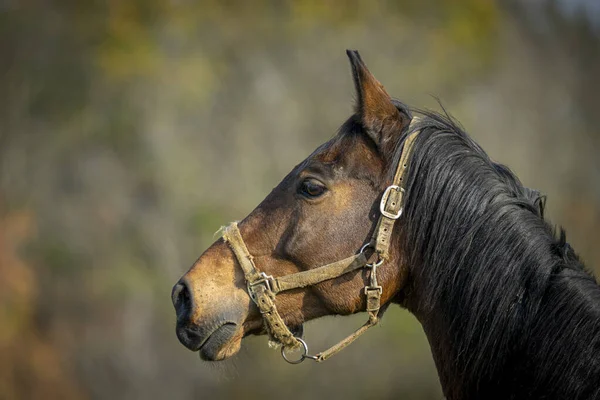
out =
column 554, row 353
column 507, row 308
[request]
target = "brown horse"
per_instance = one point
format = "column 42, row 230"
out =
column 499, row 297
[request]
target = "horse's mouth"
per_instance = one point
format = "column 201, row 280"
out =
column 224, row 340
column 216, row 345
column 212, row 343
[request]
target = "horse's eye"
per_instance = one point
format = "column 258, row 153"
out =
column 311, row 188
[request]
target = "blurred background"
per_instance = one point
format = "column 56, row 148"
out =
column 128, row 129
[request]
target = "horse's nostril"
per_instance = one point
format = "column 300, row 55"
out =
column 181, row 299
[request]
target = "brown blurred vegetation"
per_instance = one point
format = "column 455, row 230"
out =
column 129, row 128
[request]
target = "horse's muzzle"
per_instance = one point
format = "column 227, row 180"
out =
column 210, row 335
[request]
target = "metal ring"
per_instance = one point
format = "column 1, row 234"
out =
column 376, row 264
column 366, row 246
column 302, row 357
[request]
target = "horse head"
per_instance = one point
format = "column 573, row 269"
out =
column 326, row 209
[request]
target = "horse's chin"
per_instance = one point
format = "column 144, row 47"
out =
column 222, row 343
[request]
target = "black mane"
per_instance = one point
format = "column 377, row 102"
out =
column 509, row 309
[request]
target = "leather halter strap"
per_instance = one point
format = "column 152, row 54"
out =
column 262, row 288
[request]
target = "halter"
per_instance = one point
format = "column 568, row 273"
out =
column 262, row 288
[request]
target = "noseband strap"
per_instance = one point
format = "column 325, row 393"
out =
column 262, row 288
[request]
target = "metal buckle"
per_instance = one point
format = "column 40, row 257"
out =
column 378, row 288
column 264, row 279
column 384, row 199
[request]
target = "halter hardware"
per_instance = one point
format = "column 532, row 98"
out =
column 303, row 356
column 379, row 259
column 263, row 279
column 263, row 288
column 384, row 199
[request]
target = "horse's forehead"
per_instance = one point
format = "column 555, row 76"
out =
column 330, row 153
column 348, row 154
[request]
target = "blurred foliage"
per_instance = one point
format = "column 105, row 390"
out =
column 128, row 129
column 31, row 365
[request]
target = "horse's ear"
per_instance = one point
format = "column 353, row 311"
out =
column 379, row 116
